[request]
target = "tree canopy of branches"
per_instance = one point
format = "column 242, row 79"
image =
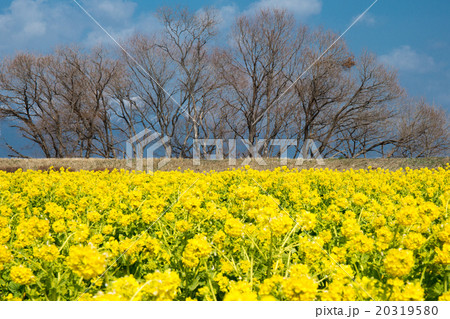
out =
column 273, row 79
column 61, row 101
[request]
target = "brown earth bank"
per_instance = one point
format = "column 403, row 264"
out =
column 97, row 164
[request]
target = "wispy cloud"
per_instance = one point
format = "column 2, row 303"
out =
column 112, row 9
column 368, row 19
column 300, row 8
column 40, row 25
column 227, row 14
column 405, row 58
column 36, row 24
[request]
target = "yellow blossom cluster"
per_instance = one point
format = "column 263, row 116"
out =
column 21, row 275
column 86, row 261
column 399, row 262
column 241, row 234
column 196, row 248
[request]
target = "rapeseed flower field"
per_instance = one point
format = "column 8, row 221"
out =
column 241, row 234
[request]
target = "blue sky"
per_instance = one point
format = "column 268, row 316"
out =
column 411, row 35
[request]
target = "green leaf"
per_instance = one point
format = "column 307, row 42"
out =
column 13, row 287
column 438, row 289
column 197, row 282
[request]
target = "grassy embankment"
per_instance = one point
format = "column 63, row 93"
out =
column 95, row 164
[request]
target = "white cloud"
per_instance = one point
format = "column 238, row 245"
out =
column 227, row 15
column 35, row 28
column 40, row 25
column 405, row 58
column 116, row 16
column 116, row 10
column 367, row 19
column 37, row 25
column 146, row 23
column 301, row 8
column 24, row 18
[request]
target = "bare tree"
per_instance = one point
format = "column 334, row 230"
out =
column 185, row 41
column 321, row 83
column 256, row 71
column 344, row 100
column 146, row 100
column 28, row 99
column 423, row 130
column 172, row 83
column 84, row 85
column 61, row 102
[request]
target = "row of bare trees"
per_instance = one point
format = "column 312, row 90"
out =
column 61, row 101
column 271, row 79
